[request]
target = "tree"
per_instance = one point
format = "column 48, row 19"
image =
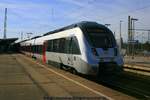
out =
column 146, row 46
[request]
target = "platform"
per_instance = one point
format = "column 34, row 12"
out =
column 22, row 78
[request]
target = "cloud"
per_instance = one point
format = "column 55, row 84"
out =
column 40, row 16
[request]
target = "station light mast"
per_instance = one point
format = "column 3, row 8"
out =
column 5, row 24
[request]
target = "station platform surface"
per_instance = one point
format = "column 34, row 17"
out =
column 22, row 78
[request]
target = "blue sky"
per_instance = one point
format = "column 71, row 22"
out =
column 41, row 16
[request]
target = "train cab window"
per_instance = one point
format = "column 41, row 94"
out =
column 100, row 38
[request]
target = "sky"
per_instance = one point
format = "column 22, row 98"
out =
column 41, row 16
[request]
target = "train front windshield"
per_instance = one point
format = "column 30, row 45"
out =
column 101, row 38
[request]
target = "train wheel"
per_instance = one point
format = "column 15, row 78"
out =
column 73, row 71
column 61, row 66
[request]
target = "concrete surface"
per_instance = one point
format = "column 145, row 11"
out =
column 22, row 78
column 137, row 60
column 15, row 84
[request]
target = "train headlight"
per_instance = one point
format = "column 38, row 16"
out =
column 115, row 51
column 101, row 59
column 94, row 52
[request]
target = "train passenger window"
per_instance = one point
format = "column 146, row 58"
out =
column 54, row 45
column 49, row 45
column 57, row 45
column 31, row 48
column 37, row 48
column 62, row 45
column 25, row 48
column 67, row 45
column 40, row 47
column 34, row 48
column 74, row 46
column 38, row 51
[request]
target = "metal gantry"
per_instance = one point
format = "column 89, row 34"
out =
column 131, row 32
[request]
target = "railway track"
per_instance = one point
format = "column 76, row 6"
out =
column 144, row 70
column 128, row 83
column 128, row 89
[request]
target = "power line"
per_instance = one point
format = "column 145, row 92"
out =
column 122, row 13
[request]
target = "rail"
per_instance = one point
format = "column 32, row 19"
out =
column 139, row 69
column 131, row 84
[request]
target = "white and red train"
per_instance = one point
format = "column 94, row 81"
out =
column 86, row 47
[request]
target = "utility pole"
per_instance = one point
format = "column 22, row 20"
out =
column 21, row 35
column 129, row 34
column 132, row 33
column 142, row 41
column 120, row 36
column 133, row 26
column 148, row 36
column 28, row 35
column 115, row 35
column 5, row 24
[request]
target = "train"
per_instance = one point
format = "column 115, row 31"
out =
column 86, row 47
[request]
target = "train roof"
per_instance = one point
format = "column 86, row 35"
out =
column 28, row 39
column 83, row 25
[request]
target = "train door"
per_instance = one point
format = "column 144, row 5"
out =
column 30, row 50
column 44, row 51
column 73, row 52
column 70, row 54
